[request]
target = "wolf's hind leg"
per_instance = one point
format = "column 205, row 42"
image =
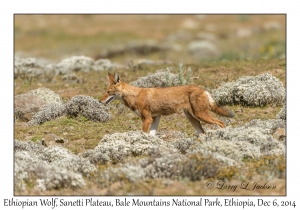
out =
column 205, row 117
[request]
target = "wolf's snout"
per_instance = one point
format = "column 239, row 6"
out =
column 102, row 100
column 108, row 100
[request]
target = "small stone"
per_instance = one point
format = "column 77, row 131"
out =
column 280, row 131
column 269, row 110
column 179, row 125
column 27, row 105
column 131, row 116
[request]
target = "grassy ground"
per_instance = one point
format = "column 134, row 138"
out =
column 55, row 37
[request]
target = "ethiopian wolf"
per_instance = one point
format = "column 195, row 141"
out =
column 150, row 103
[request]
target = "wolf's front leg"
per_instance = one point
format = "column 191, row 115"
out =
column 154, row 125
column 147, row 120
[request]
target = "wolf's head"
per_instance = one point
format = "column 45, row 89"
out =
column 113, row 91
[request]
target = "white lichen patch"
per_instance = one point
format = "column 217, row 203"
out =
column 282, row 113
column 47, row 95
column 252, row 140
column 47, row 113
column 260, row 90
column 115, row 147
column 48, row 168
column 161, row 78
column 88, row 107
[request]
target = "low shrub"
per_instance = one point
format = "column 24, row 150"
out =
column 260, row 90
column 48, row 167
column 88, row 107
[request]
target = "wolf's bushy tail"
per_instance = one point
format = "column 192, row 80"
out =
column 221, row 110
column 216, row 108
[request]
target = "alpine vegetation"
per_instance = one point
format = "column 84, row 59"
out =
column 28, row 68
column 47, row 95
column 88, row 107
column 116, row 147
column 167, row 165
column 48, row 167
column 252, row 140
column 282, row 113
column 164, row 78
column 216, row 154
column 28, row 104
column 181, row 74
column 160, row 78
column 260, row 90
column 74, row 64
column 79, row 105
column 47, row 113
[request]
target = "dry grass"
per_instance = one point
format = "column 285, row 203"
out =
column 162, row 187
column 57, row 36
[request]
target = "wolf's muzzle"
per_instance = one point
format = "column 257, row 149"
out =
column 108, row 100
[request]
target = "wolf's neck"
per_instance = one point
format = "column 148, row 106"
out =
column 129, row 95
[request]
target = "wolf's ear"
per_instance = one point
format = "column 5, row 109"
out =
column 111, row 77
column 117, row 78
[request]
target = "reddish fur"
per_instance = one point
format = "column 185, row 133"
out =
column 151, row 102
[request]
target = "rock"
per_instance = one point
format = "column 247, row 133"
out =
column 142, row 63
column 131, row 116
column 269, row 110
column 280, row 134
column 74, row 64
column 202, row 48
column 29, row 104
column 26, row 106
column 105, row 64
column 47, row 95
